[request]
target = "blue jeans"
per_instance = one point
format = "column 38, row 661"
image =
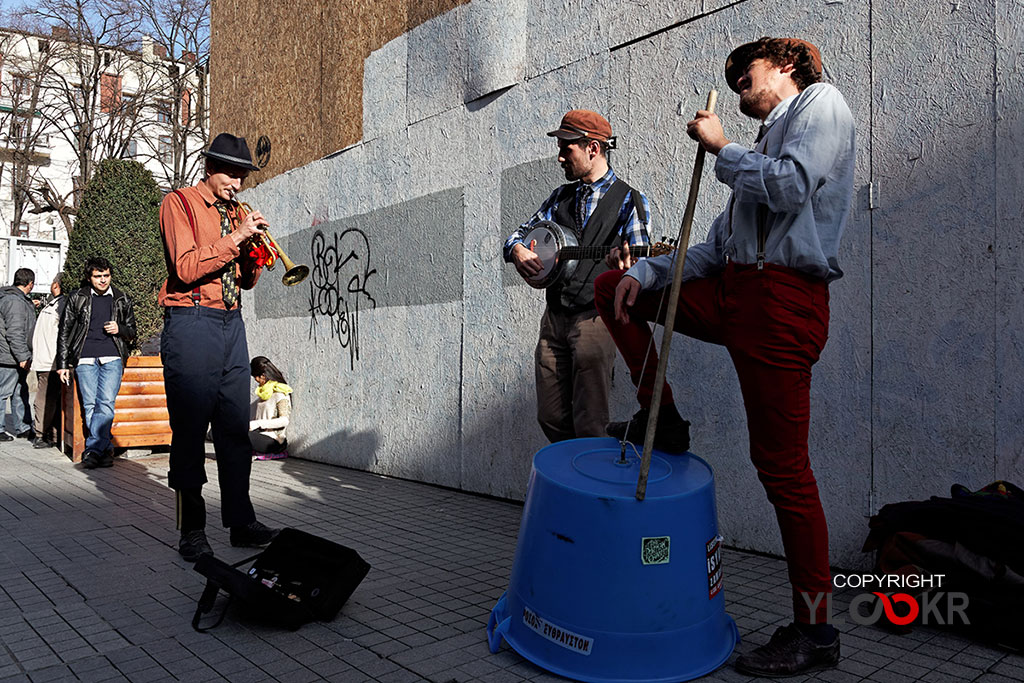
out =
column 97, row 387
column 14, row 386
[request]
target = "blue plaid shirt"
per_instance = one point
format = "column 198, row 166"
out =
column 631, row 230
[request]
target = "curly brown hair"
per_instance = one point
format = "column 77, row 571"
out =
column 779, row 52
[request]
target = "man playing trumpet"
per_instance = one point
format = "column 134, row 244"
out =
column 205, row 355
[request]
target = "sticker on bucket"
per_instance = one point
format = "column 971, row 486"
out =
column 655, row 550
column 567, row 639
column 714, row 548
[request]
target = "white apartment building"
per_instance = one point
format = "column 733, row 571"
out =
column 138, row 104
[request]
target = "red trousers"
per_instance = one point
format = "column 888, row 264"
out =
column 774, row 324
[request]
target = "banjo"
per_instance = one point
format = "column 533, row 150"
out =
column 560, row 253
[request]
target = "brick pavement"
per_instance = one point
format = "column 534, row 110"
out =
column 91, row 588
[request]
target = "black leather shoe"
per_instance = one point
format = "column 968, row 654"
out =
column 672, row 435
column 193, row 544
column 91, row 460
column 4, row 436
column 252, row 535
column 788, row 653
column 27, row 434
column 43, row 443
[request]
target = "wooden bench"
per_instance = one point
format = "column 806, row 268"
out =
column 140, row 411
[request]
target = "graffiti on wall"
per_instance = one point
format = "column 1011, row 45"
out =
column 339, row 279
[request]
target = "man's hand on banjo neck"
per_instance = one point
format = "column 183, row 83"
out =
column 619, row 259
column 526, row 261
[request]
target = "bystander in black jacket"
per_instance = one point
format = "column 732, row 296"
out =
column 74, row 325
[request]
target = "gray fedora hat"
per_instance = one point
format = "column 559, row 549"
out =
column 231, row 149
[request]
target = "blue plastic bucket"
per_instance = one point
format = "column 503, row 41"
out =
column 608, row 588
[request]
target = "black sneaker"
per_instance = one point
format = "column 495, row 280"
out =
column 252, row 535
column 789, row 652
column 672, row 435
column 43, row 443
column 193, row 544
column 27, row 434
column 4, row 436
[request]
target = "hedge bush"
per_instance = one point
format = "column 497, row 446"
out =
column 119, row 219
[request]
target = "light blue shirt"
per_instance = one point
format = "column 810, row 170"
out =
column 801, row 171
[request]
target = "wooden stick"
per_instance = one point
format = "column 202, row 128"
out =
column 670, row 314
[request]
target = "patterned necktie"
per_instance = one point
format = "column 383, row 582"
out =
column 581, row 206
column 227, row 278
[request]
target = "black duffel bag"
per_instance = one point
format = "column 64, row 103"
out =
column 298, row 578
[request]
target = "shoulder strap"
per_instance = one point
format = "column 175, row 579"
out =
column 195, row 238
column 638, row 204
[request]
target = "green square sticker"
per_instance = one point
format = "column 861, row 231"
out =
column 655, row 550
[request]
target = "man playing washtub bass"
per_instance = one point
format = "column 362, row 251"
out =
column 205, row 355
column 575, row 355
column 759, row 286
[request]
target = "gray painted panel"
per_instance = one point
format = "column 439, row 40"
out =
column 437, row 65
column 373, row 260
column 523, row 189
column 384, row 89
column 495, row 45
column 1009, row 242
column 934, row 266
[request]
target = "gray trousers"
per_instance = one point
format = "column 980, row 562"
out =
column 14, row 386
column 574, row 360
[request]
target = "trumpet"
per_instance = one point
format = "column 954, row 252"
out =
column 294, row 274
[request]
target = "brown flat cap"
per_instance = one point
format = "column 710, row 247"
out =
column 739, row 59
column 583, row 123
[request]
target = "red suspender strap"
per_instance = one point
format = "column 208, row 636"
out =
column 195, row 238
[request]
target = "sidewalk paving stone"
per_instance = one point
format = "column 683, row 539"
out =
column 92, row 588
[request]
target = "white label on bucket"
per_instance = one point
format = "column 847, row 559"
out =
column 655, row 550
column 567, row 639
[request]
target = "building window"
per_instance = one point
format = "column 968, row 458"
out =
column 163, row 112
column 133, row 149
column 20, row 230
column 19, row 132
column 164, row 149
column 110, row 93
column 107, row 58
column 21, row 86
column 44, row 46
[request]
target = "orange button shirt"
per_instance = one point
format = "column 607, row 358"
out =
column 198, row 261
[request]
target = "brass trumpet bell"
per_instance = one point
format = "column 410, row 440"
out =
column 294, row 274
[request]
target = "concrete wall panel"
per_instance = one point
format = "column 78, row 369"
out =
column 1009, row 239
column 917, row 387
column 933, row 259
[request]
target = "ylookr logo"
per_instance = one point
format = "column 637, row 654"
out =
column 935, row 607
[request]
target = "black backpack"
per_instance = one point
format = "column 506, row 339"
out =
column 972, row 539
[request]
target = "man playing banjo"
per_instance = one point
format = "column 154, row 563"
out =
column 575, row 354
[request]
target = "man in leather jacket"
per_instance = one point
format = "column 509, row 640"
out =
column 96, row 330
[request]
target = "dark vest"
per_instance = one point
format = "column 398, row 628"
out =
column 576, row 294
